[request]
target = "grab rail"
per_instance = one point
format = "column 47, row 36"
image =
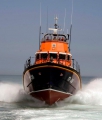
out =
column 74, row 65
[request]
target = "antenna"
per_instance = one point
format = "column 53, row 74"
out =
column 64, row 21
column 40, row 26
column 47, row 20
column 71, row 26
column 56, row 18
column 67, row 30
column 40, row 14
column 72, row 12
column 68, row 34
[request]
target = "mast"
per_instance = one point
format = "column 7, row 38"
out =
column 47, row 21
column 40, row 26
column 64, row 21
column 71, row 26
column 56, row 18
column 56, row 29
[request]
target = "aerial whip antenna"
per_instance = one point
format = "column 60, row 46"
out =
column 68, row 34
column 71, row 26
column 64, row 21
column 47, row 20
column 40, row 26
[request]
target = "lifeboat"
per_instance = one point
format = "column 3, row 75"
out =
column 54, row 75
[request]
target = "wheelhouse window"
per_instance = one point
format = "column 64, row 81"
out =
column 62, row 56
column 53, row 55
column 68, row 57
column 44, row 55
column 37, row 56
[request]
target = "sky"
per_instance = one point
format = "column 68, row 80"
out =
column 19, row 32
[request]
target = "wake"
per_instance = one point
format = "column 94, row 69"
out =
column 91, row 94
column 14, row 93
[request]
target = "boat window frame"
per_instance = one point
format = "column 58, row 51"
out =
column 43, row 57
column 70, row 56
column 40, row 55
column 61, row 53
column 36, row 56
column 56, row 53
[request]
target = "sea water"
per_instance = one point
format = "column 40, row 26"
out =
column 15, row 104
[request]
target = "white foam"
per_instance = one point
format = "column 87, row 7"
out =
column 12, row 93
column 90, row 94
column 9, row 92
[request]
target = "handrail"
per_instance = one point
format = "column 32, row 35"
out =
column 74, row 65
column 28, row 62
column 58, row 37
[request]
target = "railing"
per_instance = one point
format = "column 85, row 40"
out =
column 58, row 37
column 29, row 62
column 74, row 65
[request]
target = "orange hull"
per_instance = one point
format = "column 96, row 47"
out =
column 50, row 96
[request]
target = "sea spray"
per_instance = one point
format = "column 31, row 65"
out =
column 91, row 94
column 13, row 93
column 10, row 92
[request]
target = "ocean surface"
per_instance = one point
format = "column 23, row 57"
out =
column 15, row 104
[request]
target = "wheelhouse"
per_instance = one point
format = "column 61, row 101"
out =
column 56, row 57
